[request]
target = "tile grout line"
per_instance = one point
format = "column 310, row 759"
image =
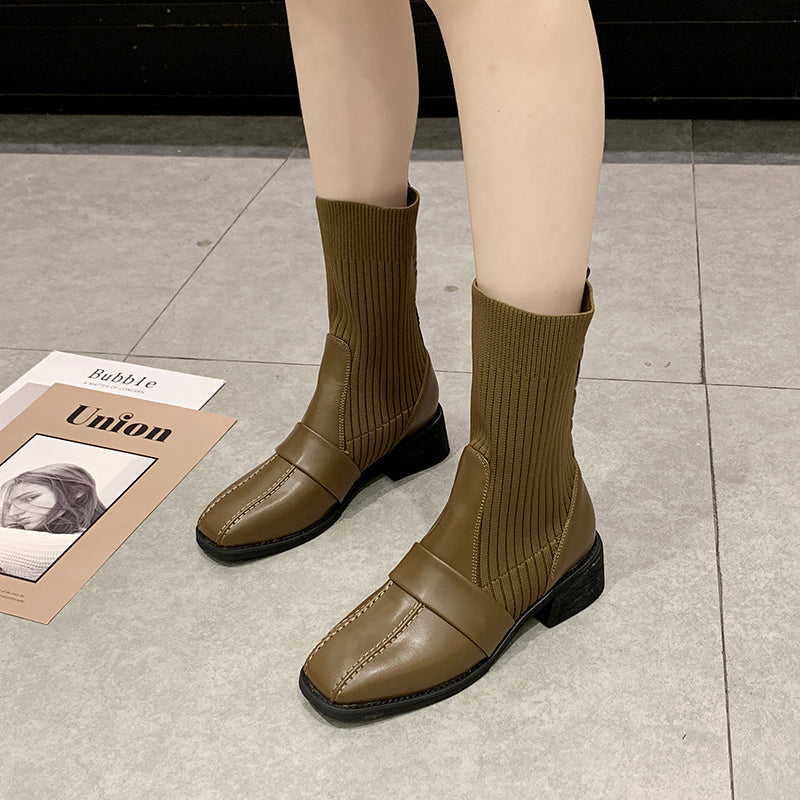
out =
column 262, row 362
column 715, row 515
column 208, row 254
column 697, row 261
column 720, row 593
column 420, row 154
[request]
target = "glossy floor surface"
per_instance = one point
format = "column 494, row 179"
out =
column 192, row 244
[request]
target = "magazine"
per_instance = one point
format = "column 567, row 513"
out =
column 80, row 469
column 131, row 380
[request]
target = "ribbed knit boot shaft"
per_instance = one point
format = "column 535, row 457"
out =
column 370, row 261
column 523, row 393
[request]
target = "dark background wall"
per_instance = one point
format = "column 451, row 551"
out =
column 672, row 58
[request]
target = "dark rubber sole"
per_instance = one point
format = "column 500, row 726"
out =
column 577, row 590
column 423, row 449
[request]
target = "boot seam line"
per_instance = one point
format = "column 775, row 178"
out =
column 565, row 529
column 408, row 410
column 253, row 503
column 427, row 373
column 519, row 566
column 351, row 617
column 381, row 426
column 476, row 531
column 377, row 649
column 345, row 389
column 249, row 476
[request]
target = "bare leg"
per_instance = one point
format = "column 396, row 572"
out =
column 529, row 87
column 357, row 74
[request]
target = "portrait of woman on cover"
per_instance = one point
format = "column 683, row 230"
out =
column 42, row 512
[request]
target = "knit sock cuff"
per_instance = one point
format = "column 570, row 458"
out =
column 370, row 260
column 513, row 339
column 371, row 235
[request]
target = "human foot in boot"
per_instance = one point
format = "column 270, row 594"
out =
column 516, row 539
column 376, row 405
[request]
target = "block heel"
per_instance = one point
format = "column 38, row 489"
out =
column 423, row 449
column 576, row 590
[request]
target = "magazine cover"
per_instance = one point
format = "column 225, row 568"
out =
column 79, row 471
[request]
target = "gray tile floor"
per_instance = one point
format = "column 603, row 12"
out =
column 192, row 244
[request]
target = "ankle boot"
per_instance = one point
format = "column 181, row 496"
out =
column 375, row 409
column 516, row 539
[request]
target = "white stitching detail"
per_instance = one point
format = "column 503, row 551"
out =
column 253, row 503
column 242, row 482
column 476, row 531
column 378, row 648
column 345, row 389
column 352, row 617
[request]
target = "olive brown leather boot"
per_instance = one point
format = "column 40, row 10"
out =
column 375, row 409
column 516, row 539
